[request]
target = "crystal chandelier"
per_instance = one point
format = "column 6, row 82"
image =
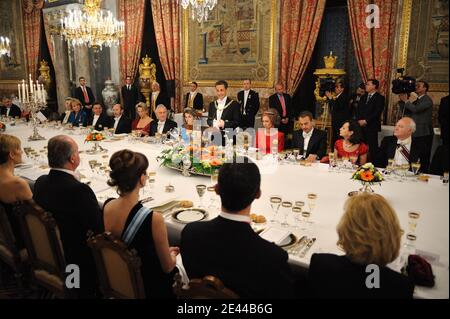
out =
column 94, row 27
column 4, row 46
column 199, row 8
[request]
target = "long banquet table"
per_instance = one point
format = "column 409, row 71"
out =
column 290, row 181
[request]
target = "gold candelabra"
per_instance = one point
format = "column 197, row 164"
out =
column 147, row 75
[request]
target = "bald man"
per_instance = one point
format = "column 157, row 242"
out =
column 401, row 147
column 282, row 102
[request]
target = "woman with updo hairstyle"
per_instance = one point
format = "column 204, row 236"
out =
column 142, row 123
column 269, row 136
column 129, row 174
column 12, row 188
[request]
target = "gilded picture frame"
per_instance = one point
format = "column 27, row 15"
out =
column 427, row 60
column 236, row 42
column 14, row 67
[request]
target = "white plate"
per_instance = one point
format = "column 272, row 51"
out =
column 189, row 215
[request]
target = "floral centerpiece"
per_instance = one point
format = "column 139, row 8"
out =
column 193, row 159
column 95, row 137
column 368, row 175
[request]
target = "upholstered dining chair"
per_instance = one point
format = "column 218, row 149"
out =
column 118, row 267
column 46, row 256
column 208, row 287
column 10, row 254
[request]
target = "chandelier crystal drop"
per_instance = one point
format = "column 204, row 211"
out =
column 5, row 49
column 94, row 27
column 199, row 8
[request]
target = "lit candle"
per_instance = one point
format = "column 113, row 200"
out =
column 23, row 91
column 31, row 85
column 18, row 89
column 26, row 92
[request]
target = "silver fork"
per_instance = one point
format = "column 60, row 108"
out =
column 294, row 249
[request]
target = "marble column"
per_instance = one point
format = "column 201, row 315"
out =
column 61, row 65
column 81, row 60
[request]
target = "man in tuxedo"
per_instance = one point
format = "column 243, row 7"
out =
column 443, row 118
column 194, row 99
column 224, row 113
column 74, row 207
column 120, row 122
column 130, row 97
column 402, row 147
column 162, row 125
column 282, row 102
column 340, row 109
column 9, row 109
column 249, row 101
column 228, row 248
column 98, row 119
column 312, row 142
column 157, row 98
column 421, row 111
column 85, row 95
column 368, row 115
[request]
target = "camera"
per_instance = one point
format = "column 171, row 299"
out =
column 326, row 85
column 403, row 84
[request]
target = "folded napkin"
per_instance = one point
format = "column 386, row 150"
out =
column 419, row 271
column 183, row 273
column 275, row 235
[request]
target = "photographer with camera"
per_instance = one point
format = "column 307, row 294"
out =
column 368, row 115
column 339, row 109
column 420, row 107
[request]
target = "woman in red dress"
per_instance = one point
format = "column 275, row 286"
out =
column 142, row 123
column 269, row 136
column 351, row 145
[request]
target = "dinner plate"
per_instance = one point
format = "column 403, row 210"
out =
column 189, row 215
column 288, row 242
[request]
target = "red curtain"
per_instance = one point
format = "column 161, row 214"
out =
column 374, row 46
column 32, row 29
column 132, row 12
column 166, row 20
column 300, row 25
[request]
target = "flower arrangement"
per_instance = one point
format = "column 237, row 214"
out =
column 368, row 175
column 201, row 160
column 94, row 137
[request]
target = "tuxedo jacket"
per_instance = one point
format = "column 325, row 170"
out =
column 129, row 99
column 252, row 105
column 230, row 115
column 371, row 111
column 389, row 146
column 102, row 122
column 168, row 125
column 274, row 102
column 76, row 211
column 340, row 110
column 444, row 118
column 317, row 143
column 332, row 276
column 160, row 99
column 124, row 125
column 197, row 103
column 80, row 96
column 247, row 264
column 13, row 112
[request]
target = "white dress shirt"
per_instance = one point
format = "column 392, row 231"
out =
column 66, row 117
column 236, row 217
column 192, row 95
column 246, row 93
column 306, row 138
column 8, row 109
column 161, row 126
column 116, row 122
column 399, row 159
column 220, row 108
column 95, row 119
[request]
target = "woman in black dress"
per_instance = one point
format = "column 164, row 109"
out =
column 140, row 228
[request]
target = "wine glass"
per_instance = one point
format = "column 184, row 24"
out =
column 305, row 214
column 214, row 177
column 415, row 167
column 212, row 197
column 353, row 160
column 287, row 207
column 404, row 170
column 275, row 202
column 312, row 197
column 201, row 189
column 412, row 222
column 297, row 211
column 331, row 161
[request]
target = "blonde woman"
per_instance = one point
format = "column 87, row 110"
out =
column 142, row 123
column 12, row 188
column 77, row 117
column 369, row 233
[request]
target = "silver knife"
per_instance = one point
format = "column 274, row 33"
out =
column 302, row 241
column 307, row 247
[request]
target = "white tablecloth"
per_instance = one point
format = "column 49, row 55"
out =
column 292, row 182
